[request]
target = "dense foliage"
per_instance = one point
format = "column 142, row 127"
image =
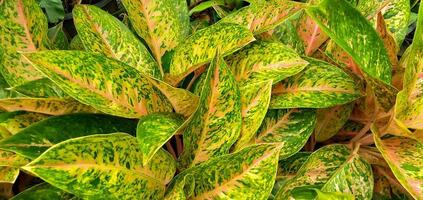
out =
column 218, row 99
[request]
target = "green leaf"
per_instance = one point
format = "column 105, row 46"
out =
column 350, row 30
column 101, row 32
column 320, row 85
column 181, row 190
column 206, row 5
column 57, row 37
column 333, row 196
column 264, row 61
column 76, row 44
column 14, row 122
column 255, row 100
column 41, row 88
column 290, row 128
column 263, row 16
column 8, row 174
column 216, row 124
column 50, row 106
column 154, row 130
column 287, row 33
column 163, row 24
column 43, row 191
column 103, row 83
column 200, row 48
column 104, row 167
column 54, row 9
column 246, row 174
column 331, row 120
column 37, row 138
column 9, row 166
column 405, row 158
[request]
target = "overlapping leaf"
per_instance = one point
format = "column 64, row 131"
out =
column 44, row 191
column 9, row 166
column 37, row 138
column 50, row 106
column 320, row 85
column 13, row 122
column 216, row 124
column 104, row 166
column 264, row 61
column 331, row 120
column 57, row 37
column 41, row 88
column 103, row 83
column 101, row 32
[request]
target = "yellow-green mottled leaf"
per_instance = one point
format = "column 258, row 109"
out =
column 246, row 174
column 181, row 190
column 100, row 32
column 57, row 37
column 255, row 100
column 333, row 196
column 182, row 101
column 5, row 91
column 41, row 88
column 263, row 16
column 76, row 44
column 103, row 83
column 201, row 47
column 37, row 138
column 163, row 24
column 50, row 106
column 216, row 124
column 331, row 120
column 290, row 128
column 8, row 174
column 9, row 166
column 264, row 61
column 44, row 191
column 16, row 121
column 405, row 158
column 320, row 85
column 104, row 167
column 154, row 130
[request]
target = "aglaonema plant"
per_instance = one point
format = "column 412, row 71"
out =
column 196, row 99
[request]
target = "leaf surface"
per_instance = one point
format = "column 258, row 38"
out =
column 44, row 191
column 331, row 120
column 50, row 106
column 14, row 122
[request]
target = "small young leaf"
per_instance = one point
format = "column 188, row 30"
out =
column 54, row 10
column 44, row 191
column 49, row 106
column 57, row 37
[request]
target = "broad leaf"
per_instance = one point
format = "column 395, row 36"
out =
column 54, row 10
column 50, row 106
column 264, row 61
column 37, row 138
column 13, row 122
column 57, row 37
column 290, row 128
column 101, row 32
column 216, row 124
column 104, row 167
column 154, row 130
column 163, row 24
column 331, row 120
column 262, row 16
column 44, row 191
column 41, row 88
column 255, row 100
column 103, row 83
column 9, row 166
column 310, row 33
column 320, row 85
column 200, row 48
column 287, row 33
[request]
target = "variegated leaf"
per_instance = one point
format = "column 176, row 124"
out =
column 331, row 120
column 216, row 124
column 264, row 61
column 263, row 16
column 290, row 128
column 8, row 174
column 320, row 85
column 44, row 191
column 287, row 33
column 182, row 101
column 5, row 91
column 41, row 88
column 14, row 122
column 49, row 106
column 163, row 24
column 76, row 44
column 101, row 32
column 387, row 187
column 200, row 48
column 255, row 100
column 333, row 196
column 9, row 166
column 104, row 167
column 154, row 130
column 57, row 37
column 405, row 158
column 246, row 174
column 311, row 34
column 103, row 83
column 181, row 190
column 37, row 138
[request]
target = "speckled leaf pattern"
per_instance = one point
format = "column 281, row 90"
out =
column 409, row 105
column 333, row 196
column 287, row 33
column 14, row 122
column 44, row 191
column 350, row 30
column 57, row 37
column 331, row 120
column 50, row 106
column 36, row 139
column 264, row 61
column 216, row 124
column 182, row 101
column 9, row 166
column 101, row 32
column 320, row 85
column 255, row 99
column 263, row 16
column 405, row 158
column 181, row 189
column 246, row 174
column 8, row 174
column 104, row 167
column 103, row 83
column 154, row 130
column 163, row 24
column 201, row 47
column 311, row 35
column 76, row 44
column 41, row 88
column 290, row 128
